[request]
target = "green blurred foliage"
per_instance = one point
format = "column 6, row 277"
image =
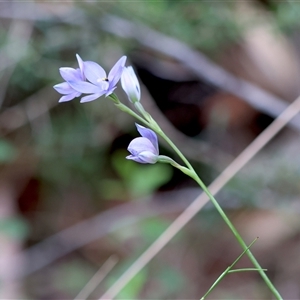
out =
column 8, row 152
column 134, row 287
column 15, row 228
column 171, row 282
column 204, row 25
column 67, row 150
column 132, row 290
column 140, row 180
column 72, row 276
column 152, row 228
column 287, row 15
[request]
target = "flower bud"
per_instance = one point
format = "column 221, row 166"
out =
column 144, row 149
column 130, row 84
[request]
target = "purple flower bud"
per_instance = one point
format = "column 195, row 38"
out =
column 144, row 149
column 130, row 85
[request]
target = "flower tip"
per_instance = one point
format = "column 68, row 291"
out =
column 121, row 62
column 130, row 84
column 65, row 99
column 123, row 58
column 84, row 100
column 79, row 59
column 138, row 126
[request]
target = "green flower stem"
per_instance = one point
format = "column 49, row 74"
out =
column 131, row 112
column 178, row 152
column 139, row 107
column 191, row 172
column 238, row 237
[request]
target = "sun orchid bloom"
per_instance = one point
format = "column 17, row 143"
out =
column 70, row 74
column 98, row 83
column 90, row 79
column 144, row 149
column 130, row 84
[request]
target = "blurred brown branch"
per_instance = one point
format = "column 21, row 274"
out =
column 199, row 64
column 202, row 67
column 85, row 232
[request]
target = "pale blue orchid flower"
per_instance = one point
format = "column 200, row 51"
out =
column 90, row 79
column 99, row 84
column 144, row 149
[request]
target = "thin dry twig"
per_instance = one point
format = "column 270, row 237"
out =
column 291, row 111
column 97, row 278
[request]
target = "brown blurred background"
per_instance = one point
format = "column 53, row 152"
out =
column 214, row 75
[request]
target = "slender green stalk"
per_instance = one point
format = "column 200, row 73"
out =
column 131, row 112
column 238, row 237
column 245, row 270
column 216, row 282
column 191, row 172
column 228, row 270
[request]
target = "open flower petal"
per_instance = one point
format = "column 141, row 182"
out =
column 148, row 134
column 94, row 73
column 81, row 66
column 85, row 87
column 69, row 97
column 64, row 88
column 140, row 144
column 116, row 72
column 145, row 157
column 70, row 74
column 91, row 97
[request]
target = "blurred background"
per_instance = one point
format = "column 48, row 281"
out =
column 214, row 75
